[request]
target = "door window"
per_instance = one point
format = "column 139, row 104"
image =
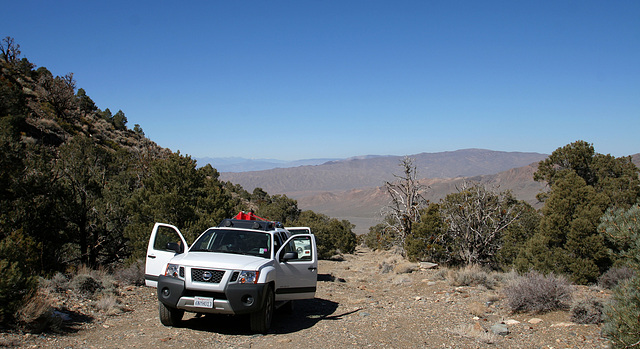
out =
column 164, row 236
column 301, row 245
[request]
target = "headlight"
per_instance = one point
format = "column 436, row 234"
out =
column 248, row 277
column 173, row 270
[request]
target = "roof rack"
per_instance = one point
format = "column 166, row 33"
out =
column 248, row 224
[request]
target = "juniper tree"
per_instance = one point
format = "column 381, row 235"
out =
column 582, row 185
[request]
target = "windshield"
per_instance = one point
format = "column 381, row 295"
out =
column 234, row 241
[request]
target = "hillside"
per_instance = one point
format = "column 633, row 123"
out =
column 367, row 172
column 47, row 110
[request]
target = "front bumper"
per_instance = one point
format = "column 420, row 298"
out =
column 236, row 299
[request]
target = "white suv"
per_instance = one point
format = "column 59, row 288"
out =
column 238, row 267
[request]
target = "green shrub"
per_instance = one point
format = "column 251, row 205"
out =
column 537, row 293
column 377, row 238
column 16, row 267
column 332, row 236
column 15, row 286
column 622, row 314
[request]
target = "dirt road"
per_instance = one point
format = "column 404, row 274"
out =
column 357, row 305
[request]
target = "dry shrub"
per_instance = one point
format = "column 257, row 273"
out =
column 405, row 268
column 493, row 297
column 537, row 293
column 36, row 315
column 90, row 283
column 478, row 309
column 58, row 283
column 506, row 277
column 85, row 284
column 614, row 276
column 587, row 311
column 442, row 273
column 108, row 304
column 476, row 332
column 472, row 275
column 131, row 275
column 385, row 267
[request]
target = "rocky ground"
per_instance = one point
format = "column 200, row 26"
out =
column 368, row 300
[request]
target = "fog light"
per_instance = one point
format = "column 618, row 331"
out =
column 247, row 300
column 166, row 292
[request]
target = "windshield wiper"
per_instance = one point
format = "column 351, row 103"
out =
column 203, row 250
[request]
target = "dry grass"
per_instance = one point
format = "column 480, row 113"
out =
column 476, row 332
column 471, row 276
column 36, row 315
column 108, row 304
column 478, row 309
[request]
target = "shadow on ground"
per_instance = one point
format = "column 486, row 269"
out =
column 307, row 313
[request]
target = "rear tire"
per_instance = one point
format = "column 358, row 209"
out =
column 261, row 320
column 169, row 316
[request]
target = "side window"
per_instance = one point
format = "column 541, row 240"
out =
column 277, row 242
column 164, row 236
column 302, row 246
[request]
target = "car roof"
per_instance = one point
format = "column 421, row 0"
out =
column 250, row 224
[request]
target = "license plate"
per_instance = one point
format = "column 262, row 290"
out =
column 203, row 302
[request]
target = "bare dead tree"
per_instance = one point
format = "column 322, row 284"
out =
column 476, row 218
column 407, row 199
column 9, row 50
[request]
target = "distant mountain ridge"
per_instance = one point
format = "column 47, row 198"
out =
column 373, row 171
column 238, row 164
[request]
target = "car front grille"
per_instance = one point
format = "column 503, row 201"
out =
column 206, row 275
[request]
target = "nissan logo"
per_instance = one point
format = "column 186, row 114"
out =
column 206, row 276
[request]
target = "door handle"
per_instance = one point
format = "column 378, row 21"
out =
column 151, row 256
column 312, row 268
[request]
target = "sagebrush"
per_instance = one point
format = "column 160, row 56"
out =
column 537, row 293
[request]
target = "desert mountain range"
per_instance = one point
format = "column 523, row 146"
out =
column 353, row 188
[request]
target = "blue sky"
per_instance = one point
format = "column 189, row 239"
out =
column 326, row 78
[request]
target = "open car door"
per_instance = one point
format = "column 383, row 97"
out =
column 297, row 268
column 159, row 253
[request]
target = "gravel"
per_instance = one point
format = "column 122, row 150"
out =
column 356, row 306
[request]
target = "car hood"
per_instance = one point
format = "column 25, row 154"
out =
column 216, row 260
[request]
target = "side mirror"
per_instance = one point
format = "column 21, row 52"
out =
column 289, row 256
column 173, row 246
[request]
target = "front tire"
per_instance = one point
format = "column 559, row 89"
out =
column 261, row 320
column 169, row 316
